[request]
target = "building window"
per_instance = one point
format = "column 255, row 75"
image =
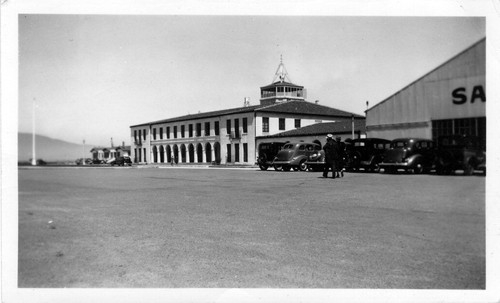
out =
column 190, row 130
column 228, row 127
column 144, row 134
column 198, row 129
column 154, row 133
column 161, row 133
column 216, row 128
column 297, row 123
column 236, row 129
column 135, row 135
column 236, row 152
column 228, row 153
column 466, row 126
column 265, row 124
column 245, row 125
column 245, row 152
column 175, row 131
column 282, row 124
column 207, row 129
column 168, row 132
column 183, row 131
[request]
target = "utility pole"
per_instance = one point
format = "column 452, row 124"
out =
column 33, row 160
column 352, row 125
column 83, row 152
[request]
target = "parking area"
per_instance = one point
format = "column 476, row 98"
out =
column 232, row 228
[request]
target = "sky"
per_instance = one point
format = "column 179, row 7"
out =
column 93, row 76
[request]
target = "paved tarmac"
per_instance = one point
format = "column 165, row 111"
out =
column 232, row 228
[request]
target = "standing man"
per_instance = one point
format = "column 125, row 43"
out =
column 331, row 156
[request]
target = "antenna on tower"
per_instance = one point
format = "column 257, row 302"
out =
column 281, row 72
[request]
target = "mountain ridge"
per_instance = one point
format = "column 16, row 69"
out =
column 50, row 149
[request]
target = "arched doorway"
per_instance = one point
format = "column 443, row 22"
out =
column 183, row 153
column 217, row 152
column 155, row 154
column 191, row 153
column 199, row 152
column 176, row 154
column 208, row 152
column 162, row 154
column 169, row 154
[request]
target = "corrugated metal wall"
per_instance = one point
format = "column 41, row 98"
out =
column 431, row 97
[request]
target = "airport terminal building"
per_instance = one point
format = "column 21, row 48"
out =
column 451, row 99
column 231, row 136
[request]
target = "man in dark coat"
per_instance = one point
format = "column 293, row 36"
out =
column 331, row 155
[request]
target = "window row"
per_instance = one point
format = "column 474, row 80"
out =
column 281, row 124
column 194, row 130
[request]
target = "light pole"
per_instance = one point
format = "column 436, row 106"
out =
column 83, row 152
column 33, row 159
column 352, row 125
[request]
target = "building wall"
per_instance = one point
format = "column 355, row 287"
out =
column 157, row 147
column 305, row 120
column 452, row 91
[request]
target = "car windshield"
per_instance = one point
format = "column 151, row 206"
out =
column 359, row 143
column 288, row 146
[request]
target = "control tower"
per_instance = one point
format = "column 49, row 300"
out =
column 282, row 89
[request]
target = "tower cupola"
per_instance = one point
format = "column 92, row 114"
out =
column 282, row 89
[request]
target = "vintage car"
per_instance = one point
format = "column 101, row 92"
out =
column 294, row 155
column 457, row 152
column 121, row 161
column 316, row 161
column 366, row 153
column 411, row 154
column 267, row 152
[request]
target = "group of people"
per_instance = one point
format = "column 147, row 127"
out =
column 334, row 157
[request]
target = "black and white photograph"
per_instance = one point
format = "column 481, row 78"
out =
column 283, row 151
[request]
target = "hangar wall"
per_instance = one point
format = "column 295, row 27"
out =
column 454, row 91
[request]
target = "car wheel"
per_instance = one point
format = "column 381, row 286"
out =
column 263, row 167
column 303, row 165
column 277, row 167
column 418, row 169
column 468, row 169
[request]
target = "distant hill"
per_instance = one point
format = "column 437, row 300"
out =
column 49, row 149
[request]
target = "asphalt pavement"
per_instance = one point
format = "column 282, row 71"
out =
column 246, row 228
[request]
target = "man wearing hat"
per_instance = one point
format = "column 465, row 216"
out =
column 331, row 155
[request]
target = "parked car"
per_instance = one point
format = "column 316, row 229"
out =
column 267, row 152
column 80, row 161
column 294, row 155
column 366, row 153
column 457, row 152
column 411, row 154
column 316, row 161
column 97, row 161
column 122, row 161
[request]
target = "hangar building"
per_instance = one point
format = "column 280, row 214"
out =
column 451, row 99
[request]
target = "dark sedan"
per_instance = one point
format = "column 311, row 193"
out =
column 410, row 154
column 366, row 153
column 457, row 152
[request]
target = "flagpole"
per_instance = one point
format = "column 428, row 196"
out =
column 83, row 152
column 33, row 160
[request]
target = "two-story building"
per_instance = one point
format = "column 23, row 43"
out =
column 231, row 135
